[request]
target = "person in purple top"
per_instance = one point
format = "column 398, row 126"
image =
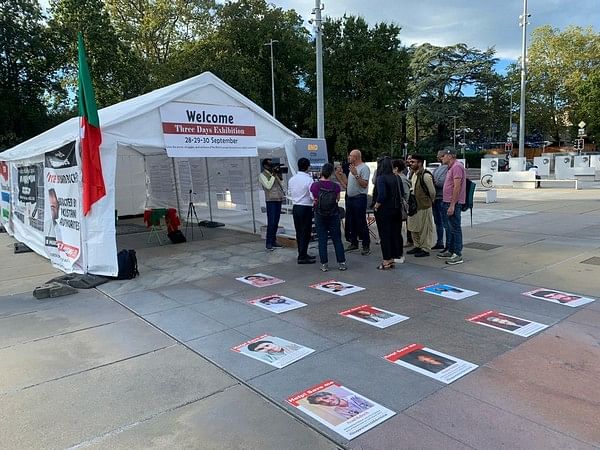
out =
column 326, row 195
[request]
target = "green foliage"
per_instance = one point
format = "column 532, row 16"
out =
column 26, row 59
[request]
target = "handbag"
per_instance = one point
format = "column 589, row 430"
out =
column 412, row 204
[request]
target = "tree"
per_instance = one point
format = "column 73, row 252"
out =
column 117, row 73
column 365, row 76
column 439, row 76
column 588, row 94
column 26, row 58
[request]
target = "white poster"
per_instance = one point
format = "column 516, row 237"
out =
column 62, row 212
column 377, row 317
column 276, row 303
column 510, row 324
column 340, row 409
column 337, row 287
column 434, row 364
column 275, row 351
column 200, row 130
column 260, row 280
column 447, row 291
column 560, row 297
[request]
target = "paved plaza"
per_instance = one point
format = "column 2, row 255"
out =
column 147, row 363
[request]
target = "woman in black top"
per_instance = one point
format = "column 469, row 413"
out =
column 388, row 214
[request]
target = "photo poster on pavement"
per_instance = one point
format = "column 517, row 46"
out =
column 5, row 195
column 276, row 303
column 63, row 211
column 447, row 291
column 260, row 280
column 436, row 365
column 340, row 409
column 560, row 297
column 272, row 350
column 504, row 322
column 337, row 287
column 379, row 318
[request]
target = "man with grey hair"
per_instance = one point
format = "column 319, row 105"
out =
column 439, row 176
column 455, row 194
column 356, row 204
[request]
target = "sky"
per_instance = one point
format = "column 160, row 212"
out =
column 477, row 23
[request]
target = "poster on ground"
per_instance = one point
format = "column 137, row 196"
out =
column 62, row 211
column 434, row 364
column 509, row 324
column 340, row 409
column 337, row 287
column 377, row 317
column 560, row 297
column 276, row 303
column 447, row 291
column 260, row 280
column 272, row 350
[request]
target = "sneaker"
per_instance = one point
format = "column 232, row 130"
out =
column 351, row 248
column 438, row 247
column 366, row 250
column 413, row 251
column 343, row 266
column 399, row 260
column 421, row 254
column 276, row 245
column 455, row 259
column 324, row 268
column 445, row 255
column 269, row 249
column 306, row 261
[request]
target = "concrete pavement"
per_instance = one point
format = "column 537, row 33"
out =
column 146, row 363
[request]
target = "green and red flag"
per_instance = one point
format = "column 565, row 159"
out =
column 90, row 136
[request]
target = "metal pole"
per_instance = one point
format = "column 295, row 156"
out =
column 208, row 188
column 270, row 44
column 252, row 195
column 454, row 134
column 319, row 48
column 524, row 18
column 510, row 115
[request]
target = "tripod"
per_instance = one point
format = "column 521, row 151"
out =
column 191, row 214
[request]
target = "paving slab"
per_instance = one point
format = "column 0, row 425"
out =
column 187, row 294
column 185, row 323
column 90, row 404
column 59, row 356
column 146, row 302
column 69, row 317
column 231, row 313
column 483, row 426
column 545, row 405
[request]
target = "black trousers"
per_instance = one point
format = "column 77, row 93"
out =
column 389, row 227
column 303, row 216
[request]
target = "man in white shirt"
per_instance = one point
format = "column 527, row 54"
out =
column 299, row 192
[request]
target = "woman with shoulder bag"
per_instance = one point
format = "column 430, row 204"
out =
column 388, row 213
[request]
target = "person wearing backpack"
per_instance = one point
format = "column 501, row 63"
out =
column 420, row 224
column 454, row 197
column 326, row 195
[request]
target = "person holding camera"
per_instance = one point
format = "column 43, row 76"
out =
column 271, row 181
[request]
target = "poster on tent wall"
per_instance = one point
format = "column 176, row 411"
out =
column 5, row 195
column 63, row 212
column 200, row 130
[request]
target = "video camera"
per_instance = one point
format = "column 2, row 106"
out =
column 279, row 168
column 273, row 165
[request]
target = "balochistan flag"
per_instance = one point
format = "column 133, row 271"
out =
column 90, row 137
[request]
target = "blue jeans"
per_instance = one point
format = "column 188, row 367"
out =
column 439, row 221
column 454, row 241
column 356, row 220
column 273, row 214
column 329, row 226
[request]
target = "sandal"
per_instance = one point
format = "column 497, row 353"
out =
column 384, row 266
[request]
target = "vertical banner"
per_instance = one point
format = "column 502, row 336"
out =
column 62, row 224
column 5, row 195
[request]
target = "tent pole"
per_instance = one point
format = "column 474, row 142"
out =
column 177, row 193
column 208, row 186
column 252, row 195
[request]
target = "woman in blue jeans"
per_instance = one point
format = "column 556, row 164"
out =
column 326, row 195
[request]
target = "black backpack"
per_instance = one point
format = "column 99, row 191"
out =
column 470, row 194
column 128, row 268
column 326, row 202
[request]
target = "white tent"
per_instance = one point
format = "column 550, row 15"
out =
column 139, row 174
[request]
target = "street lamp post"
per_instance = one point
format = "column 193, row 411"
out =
column 523, row 23
column 270, row 44
column 319, row 50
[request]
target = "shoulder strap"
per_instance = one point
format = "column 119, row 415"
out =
column 423, row 185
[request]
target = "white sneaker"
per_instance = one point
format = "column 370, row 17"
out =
column 399, row 260
column 324, row 268
column 455, row 259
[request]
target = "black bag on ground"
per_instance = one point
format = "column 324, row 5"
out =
column 176, row 237
column 326, row 202
column 128, row 268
